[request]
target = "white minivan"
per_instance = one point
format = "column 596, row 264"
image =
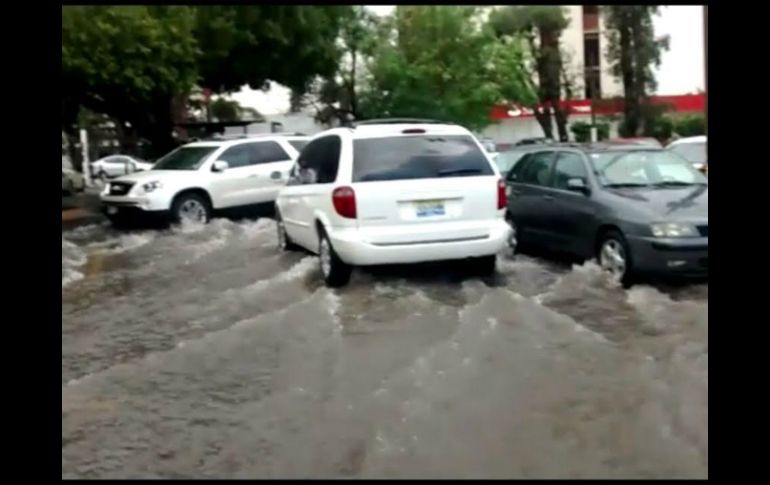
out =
column 393, row 191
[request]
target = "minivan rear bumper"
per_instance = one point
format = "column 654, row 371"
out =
column 353, row 250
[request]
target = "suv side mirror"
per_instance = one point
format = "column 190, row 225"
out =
column 577, row 185
column 220, row 166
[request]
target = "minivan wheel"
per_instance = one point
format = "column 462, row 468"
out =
column 284, row 241
column 335, row 272
column 615, row 258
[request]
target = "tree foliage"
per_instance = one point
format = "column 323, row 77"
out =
column 541, row 26
column 336, row 97
column 690, row 125
column 440, row 62
column 139, row 63
column 127, row 62
column 633, row 53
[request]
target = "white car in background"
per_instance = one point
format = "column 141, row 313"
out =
column 393, row 191
column 117, row 165
column 196, row 180
column 693, row 149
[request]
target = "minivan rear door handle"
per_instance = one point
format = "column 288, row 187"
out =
column 548, row 197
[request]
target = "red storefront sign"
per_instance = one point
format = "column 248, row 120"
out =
column 687, row 103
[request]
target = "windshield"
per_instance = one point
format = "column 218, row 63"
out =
column 644, row 168
column 184, row 158
column 417, row 157
column 693, row 152
column 506, row 160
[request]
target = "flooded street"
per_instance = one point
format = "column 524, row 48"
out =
column 206, row 353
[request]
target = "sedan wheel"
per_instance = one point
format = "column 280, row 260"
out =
column 612, row 258
column 513, row 237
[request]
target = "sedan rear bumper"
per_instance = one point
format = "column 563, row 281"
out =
column 682, row 257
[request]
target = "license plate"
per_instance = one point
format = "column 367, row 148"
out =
column 430, row 208
column 112, row 210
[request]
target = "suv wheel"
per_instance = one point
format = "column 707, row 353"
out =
column 615, row 258
column 190, row 208
column 284, row 241
column 335, row 272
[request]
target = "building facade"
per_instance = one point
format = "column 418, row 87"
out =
column 585, row 45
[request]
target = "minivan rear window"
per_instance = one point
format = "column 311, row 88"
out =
column 418, row 157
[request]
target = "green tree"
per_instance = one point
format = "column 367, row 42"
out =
column 288, row 44
column 633, row 53
column 128, row 63
column 138, row 64
column 541, row 26
column 336, row 97
column 690, row 125
column 439, row 62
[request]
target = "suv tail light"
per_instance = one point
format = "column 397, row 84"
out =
column 344, row 200
column 501, row 199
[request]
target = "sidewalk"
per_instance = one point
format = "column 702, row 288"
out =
column 80, row 209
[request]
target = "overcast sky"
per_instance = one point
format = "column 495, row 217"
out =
column 681, row 69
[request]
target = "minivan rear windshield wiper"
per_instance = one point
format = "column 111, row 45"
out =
column 457, row 171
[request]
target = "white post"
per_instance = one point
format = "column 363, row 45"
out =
column 594, row 134
column 86, row 161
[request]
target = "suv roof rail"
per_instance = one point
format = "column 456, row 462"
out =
column 396, row 121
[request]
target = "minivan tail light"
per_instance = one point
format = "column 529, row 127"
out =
column 344, row 200
column 501, row 202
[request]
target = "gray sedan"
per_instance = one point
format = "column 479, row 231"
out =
column 637, row 210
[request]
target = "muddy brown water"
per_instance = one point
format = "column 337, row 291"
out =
column 204, row 352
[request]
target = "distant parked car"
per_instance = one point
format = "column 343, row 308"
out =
column 71, row 182
column 638, row 210
column 117, row 165
column 693, row 149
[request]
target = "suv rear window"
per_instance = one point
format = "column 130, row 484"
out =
column 418, row 157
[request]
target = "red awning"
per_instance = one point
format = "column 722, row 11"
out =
column 687, row 103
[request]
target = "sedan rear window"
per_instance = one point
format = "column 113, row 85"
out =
column 418, row 157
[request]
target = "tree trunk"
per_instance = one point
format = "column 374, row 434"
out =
column 544, row 119
column 631, row 108
column 352, row 85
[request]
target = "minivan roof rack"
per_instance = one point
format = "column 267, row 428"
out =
column 396, row 121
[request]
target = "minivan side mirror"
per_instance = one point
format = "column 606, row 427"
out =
column 220, row 166
column 577, row 185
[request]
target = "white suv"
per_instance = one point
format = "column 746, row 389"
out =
column 197, row 179
column 393, row 191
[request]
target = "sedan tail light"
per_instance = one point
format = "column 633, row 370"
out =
column 501, row 200
column 344, row 200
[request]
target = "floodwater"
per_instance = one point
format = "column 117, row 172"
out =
column 204, row 352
